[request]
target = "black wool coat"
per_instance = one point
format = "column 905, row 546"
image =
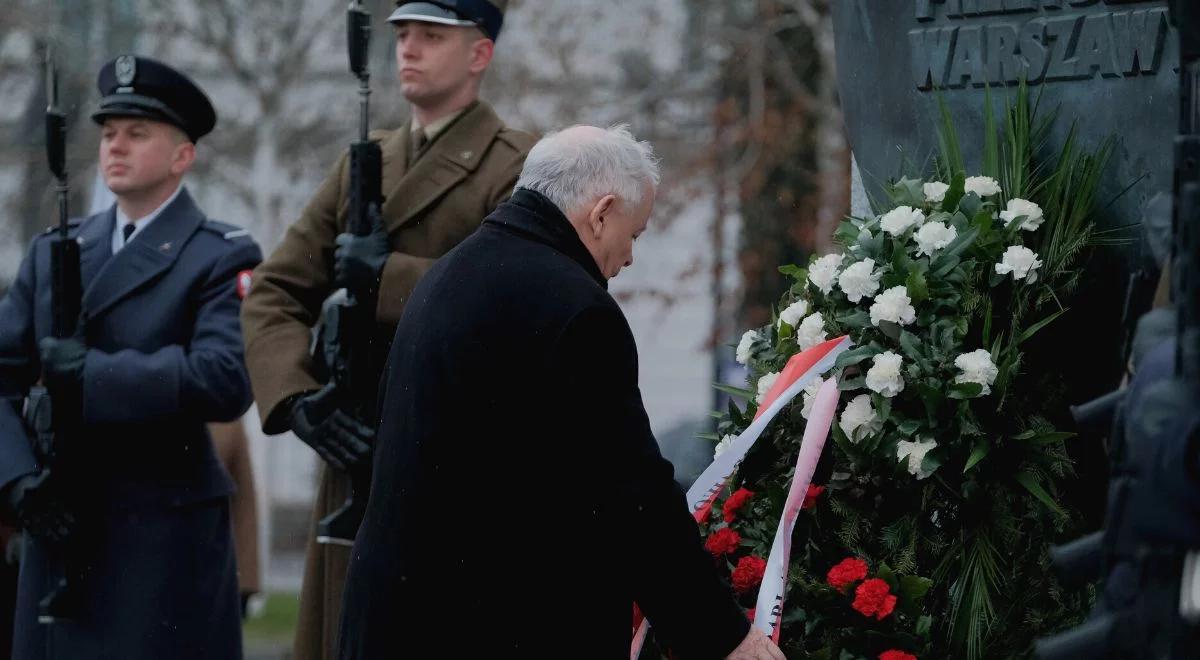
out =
column 520, row 504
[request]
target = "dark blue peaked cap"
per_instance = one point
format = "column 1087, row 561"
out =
column 136, row 86
column 484, row 14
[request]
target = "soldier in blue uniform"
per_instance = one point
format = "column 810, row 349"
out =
column 158, row 356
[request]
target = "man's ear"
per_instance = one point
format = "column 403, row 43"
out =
column 598, row 215
column 185, row 155
column 481, row 55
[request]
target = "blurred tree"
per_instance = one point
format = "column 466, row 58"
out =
column 286, row 100
column 781, row 145
column 82, row 34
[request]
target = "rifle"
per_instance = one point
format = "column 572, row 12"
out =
column 350, row 323
column 1149, row 551
column 54, row 411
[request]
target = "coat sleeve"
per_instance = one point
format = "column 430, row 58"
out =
column 400, row 276
column 206, row 379
column 673, row 578
column 18, row 370
column 285, row 301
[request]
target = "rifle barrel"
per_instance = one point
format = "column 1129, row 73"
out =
column 358, row 41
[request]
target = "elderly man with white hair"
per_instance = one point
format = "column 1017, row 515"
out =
column 520, row 505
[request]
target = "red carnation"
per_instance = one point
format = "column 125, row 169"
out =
column 846, row 573
column 874, row 598
column 810, row 498
column 749, row 573
column 735, row 502
column 896, row 655
column 750, row 613
column 723, row 541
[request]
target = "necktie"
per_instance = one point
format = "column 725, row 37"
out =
column 127, row 231
column 418, row 144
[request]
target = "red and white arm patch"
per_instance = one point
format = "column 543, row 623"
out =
column 243, row 283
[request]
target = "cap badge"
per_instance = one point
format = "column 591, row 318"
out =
column 126, row 69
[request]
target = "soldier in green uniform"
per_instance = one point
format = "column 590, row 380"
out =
column 442, row 173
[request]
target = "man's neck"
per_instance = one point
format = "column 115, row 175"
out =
column 138, row 205
column 580, row 224
column 428, row 114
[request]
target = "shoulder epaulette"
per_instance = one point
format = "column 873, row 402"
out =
column 380, row 134
column 225, row 230
column 73, row 223
column 519, row 140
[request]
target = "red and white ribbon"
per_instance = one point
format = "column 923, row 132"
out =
column 800, row 370
column 768, row 611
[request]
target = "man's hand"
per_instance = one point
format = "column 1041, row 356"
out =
column 756, row 646
column 37, row 509
column 338, row 438
column 359, row 260
column 63, row 360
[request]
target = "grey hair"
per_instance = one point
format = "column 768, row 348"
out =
column 578, row 165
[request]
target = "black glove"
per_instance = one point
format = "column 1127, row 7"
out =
column 63, row 360
column 337, row 437
column 359, row 260
column 37, row 508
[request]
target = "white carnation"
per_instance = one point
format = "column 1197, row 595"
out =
column 934, row 236
column 977, row 367
column 744, row 346
column 722, row 446
column 935, row 191
column 984, row 186
column 915, row 453
column 810, row 395
column 860, row 280
column 794, row 313
column 1021, row 262
column 893, row 305
column 823, row 272
column 901, row 219
column 884, row 375
column 811, row 331
column 1021, row 207
column 859, row 419
column 764, row 385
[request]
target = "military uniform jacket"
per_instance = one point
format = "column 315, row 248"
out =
column 165, row 354
column 164, row 358
column 428, row 208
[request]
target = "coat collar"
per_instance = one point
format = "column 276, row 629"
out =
column 95, row 243
column 457, row 151
column 532, row 215
column 109, row 279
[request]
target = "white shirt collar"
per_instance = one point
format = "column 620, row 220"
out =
column 118, row 236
